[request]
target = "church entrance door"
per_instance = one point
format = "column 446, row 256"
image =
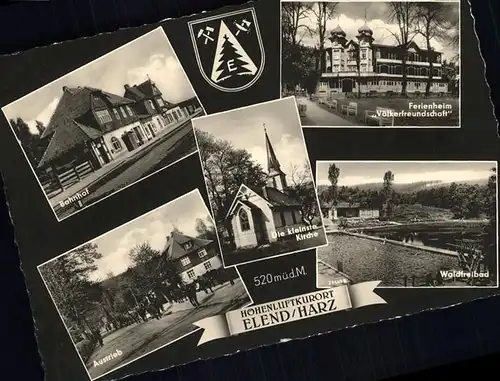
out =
column 260, row 227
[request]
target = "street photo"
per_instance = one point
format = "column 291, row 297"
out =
column 107, row 124
column 372, row 64
column 141, row 286
column 259, row 181
column 409, row 223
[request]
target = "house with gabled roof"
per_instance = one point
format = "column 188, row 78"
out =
column 150, row 106
column 343, row 209
column 258, row 215
column 91, row 128
column 192, row 256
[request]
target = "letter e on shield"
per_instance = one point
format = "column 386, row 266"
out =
column 229, row 49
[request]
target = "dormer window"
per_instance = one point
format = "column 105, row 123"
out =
column 149, row 106
column 185, row 261
column 117, row 114
column 188, row 245
column 202, row 253
column 129, row 110
column 124, row 114
column 103, row 116
column 160, row 102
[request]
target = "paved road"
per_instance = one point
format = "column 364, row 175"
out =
column 140, row 339
column 316, row 116
column 162, row 152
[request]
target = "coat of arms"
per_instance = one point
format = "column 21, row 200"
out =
column 229, row 49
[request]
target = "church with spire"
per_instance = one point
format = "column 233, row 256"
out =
column 257, row 216
column 362, row 65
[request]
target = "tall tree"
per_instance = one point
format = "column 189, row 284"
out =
column 225, row 169
column 149, row 269
column 67, row 279
column 404, row 15
column 298, row 62
column 432, row 20
column 323, row 11
column 40, row 127
column 302, row 189
column 26, row 138
column 490, row 240
column 333, row 177
column 205, row 228
column 388, row 195
column 294, row 16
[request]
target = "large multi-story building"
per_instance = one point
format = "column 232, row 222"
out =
column 380, row 66
column 91, row 128
column 192, row 256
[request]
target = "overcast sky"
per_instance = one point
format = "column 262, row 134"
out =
column 150, row 54
column 153, row 228
column 244, row 129
column 351, row 16
column 357, row 173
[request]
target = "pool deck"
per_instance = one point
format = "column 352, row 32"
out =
column 398, row 243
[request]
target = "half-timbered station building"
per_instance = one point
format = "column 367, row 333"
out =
column 91, row 128
column 380, row 66
column 193, row 257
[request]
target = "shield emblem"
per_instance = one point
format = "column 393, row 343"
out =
column 229, row 49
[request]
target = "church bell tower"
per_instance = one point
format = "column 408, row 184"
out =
column 276, row 178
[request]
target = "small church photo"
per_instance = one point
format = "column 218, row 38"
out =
column 259, row 182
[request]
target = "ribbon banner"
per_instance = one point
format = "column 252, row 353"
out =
column 287, row 310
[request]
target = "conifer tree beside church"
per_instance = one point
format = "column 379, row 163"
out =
column 231, row 62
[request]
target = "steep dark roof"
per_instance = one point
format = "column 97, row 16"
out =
column 192, row 100
column 63, row 140
column 73, row 103
column 174, row 248
column 343, row 204
column 275, row 197
column 64, row 129
column 146, row 89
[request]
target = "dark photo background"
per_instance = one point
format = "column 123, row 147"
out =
column 369, row 352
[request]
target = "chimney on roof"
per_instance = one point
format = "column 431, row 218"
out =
column 127, row 86
column 65, row 88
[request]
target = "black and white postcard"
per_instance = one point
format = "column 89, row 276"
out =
column 377, row 63
column 142, row 285
column 198, row 217
column 107, row 124
column 410, row 224
column 259, row 181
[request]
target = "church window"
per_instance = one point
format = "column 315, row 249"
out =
column 244, row 223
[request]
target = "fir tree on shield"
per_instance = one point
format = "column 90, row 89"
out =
column 231, row 62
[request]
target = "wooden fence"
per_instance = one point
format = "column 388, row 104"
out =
column 54, row 183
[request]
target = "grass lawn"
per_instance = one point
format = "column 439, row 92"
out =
column 407, row 213
column 400, row 104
